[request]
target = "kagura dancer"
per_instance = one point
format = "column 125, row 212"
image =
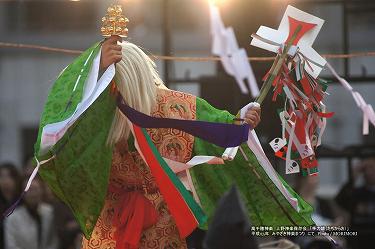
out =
column 97, row 158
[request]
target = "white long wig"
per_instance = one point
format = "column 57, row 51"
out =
column 137, row 81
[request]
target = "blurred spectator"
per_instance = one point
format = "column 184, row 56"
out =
column 64, row 223
column 325, row 213
column 28, row 167
column 360, row 203
column 320, row 244
column 324, row 209
column 9, row 191
column 68, row 230
column 30, row 226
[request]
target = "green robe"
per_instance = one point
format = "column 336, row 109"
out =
column 266, row 206
column 79, row 173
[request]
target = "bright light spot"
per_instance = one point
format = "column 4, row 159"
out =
column 218, row 2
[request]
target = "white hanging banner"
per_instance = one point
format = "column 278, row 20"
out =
column 234, row 60
column 367, row 110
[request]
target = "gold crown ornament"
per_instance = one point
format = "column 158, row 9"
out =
column 114, row 22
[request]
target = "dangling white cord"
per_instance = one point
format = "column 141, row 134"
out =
column 10, row 210
column 35, row 171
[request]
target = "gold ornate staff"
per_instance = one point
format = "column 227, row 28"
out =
column 114, row 22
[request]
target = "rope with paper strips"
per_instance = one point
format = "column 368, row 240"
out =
column 233, row 59
column 294, row 77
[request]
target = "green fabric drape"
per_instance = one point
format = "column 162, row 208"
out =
column 79, row 174
column 212, row 181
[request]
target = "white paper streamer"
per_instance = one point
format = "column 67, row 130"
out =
column 304, row 150
column 367, row 110
column 256, row 148
column 291, row 166
column 234, row 60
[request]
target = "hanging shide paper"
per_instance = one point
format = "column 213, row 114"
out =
column 294, row 78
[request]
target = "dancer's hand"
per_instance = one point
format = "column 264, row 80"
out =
column 252, row 116
column 111, row 52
